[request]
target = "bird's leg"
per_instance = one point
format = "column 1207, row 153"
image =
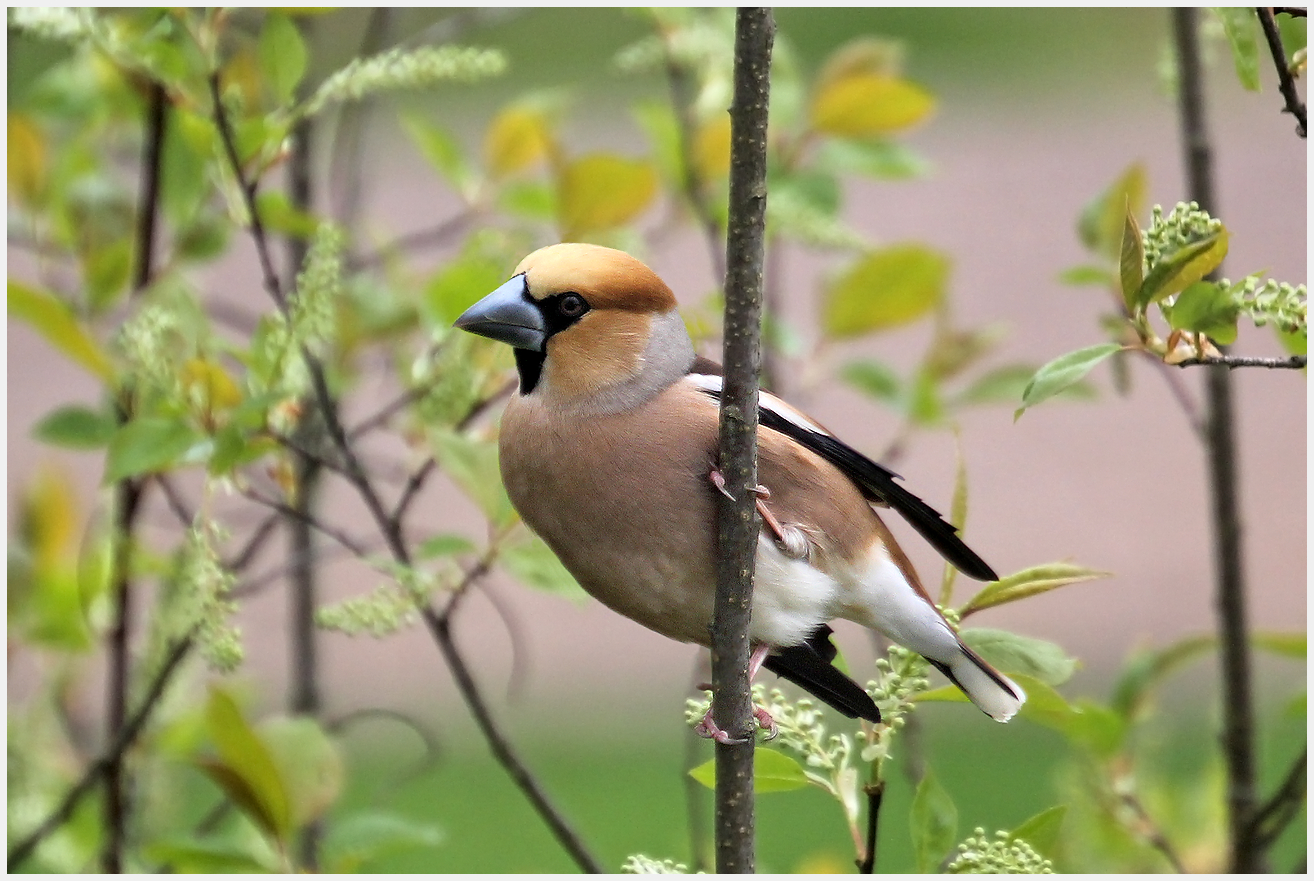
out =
column 768, row 519
column 708, row 728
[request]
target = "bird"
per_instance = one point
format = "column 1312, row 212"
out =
column 608, row 451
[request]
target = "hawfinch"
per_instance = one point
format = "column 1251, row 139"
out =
column 609, row 453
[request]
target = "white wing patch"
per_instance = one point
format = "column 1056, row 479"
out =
column 708, row 383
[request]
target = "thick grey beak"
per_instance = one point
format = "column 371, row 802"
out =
column 508, row 316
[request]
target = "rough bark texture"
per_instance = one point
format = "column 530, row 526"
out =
column 737, row 526
column 1238, row 736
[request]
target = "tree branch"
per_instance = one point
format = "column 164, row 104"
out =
column 113, row 757
column 1230, row 590
column 1286, row 82
column 737, row 526
column 1278, row 812
column 875, row 796
column 1295, row 362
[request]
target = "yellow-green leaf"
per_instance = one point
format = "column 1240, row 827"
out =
column 1102, row 220
column 147, row 445
column 1042, row 830
column 772, row 772
column 282, row 56
column 1131, row 260
column 27, row 158
column 934, row 823
column 603, row 190
column 1184, row 267
column 246, row 768
column 516, row 139
column 865, row 105
column 472, row 465
column 1029, row 582
column 534, row 565
column 55, row 321
column 711, row 148
column 884, row 289
column 308, row 762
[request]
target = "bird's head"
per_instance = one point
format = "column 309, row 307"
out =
column 593, row 328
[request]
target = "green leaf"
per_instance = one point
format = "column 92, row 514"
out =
column 280, row 215
column 879, row 160
column 1147, row 668
column 1042, row 831
column 282, row 56
column 1029, row 582
column 1293, row 342
column 1103, row 219
column 1086, row 275
column 55, row 321
column 1131, row 261
column 1014, row 654
column 444, row 545
column 601, row 191
column 873, row 378
column 1289, row 645
column 1208, row 308
column 883, row 289
column 1184, row 267
column 1004, row 385
column 933, row 822
column 534, row 565
column 308, row 763
column 148, row 445
column 76, row 427
column 1241, row 25
column 461, row 282
column 206, row 856
column 443, row 152
column 106, row 269
column 772, row 772
column 245, row 768
column 1061, row 373
column 369, row 835
column 472, row 465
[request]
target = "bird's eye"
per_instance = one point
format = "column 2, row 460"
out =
column 572, row 306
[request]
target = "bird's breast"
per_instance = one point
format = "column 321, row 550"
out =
column 624, row 501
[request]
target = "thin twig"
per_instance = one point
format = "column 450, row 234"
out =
column 254, row 544
column 1286, row 82
column 1151, row 831
column 113, row 756
column 292, row 513
column 736, row 520
column 678, row 76
column 875, row 796
column 1295, row 362
column 128, row 496
column 1273, row 818
column 1230, row 590
column 434, row 237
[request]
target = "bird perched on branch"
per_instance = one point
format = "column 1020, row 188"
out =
column 609, row 452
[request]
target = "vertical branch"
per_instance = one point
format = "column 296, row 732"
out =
column 1230, row 600
column 128, row 495
column 737, row 528
column 304, row 692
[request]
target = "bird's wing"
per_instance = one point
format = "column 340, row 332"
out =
column 810, row 666
column 875, row 481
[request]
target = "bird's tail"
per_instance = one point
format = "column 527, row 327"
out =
column 993, row 693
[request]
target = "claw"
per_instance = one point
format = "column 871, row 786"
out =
column 718, row 481
column 708, row 728
column 766, row 723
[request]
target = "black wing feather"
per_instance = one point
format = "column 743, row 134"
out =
column 809, row 666
column 876, row 482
